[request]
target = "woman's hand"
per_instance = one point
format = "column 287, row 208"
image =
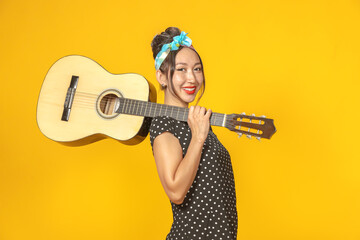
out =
column 199, row 122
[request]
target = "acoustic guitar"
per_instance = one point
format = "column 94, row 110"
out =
column 80, row 102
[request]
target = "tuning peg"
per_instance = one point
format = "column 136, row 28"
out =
column 252, row 115
column 243, row 113
column 248, row 135
column 258, row 138
column 240, row 134
column 263, row 116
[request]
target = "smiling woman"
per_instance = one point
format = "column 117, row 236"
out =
column 194, row 168
column 186, row 80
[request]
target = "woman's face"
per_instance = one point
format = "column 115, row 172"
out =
column 187, row 79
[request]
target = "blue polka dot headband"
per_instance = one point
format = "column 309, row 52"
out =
column 180, row 40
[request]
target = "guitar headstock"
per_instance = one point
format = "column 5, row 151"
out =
column 250, row 125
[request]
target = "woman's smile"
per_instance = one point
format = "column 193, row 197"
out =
column 190, row 90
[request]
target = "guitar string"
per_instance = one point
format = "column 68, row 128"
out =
column 182, row 111
column 155, row 111
column 95, row 96
column 244, row 130
column 88, row 97
column 86, row 100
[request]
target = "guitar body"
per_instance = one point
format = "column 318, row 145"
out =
column 89, row 107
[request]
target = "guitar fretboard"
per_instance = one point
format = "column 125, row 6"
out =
column 150, row 109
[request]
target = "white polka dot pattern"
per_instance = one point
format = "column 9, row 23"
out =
column 209, row 208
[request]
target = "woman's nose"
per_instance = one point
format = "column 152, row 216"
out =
column 191, row 76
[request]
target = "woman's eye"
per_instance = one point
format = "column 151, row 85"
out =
column 197, row 69
column 180, row 69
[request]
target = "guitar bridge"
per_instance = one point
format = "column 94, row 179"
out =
column 69, row 98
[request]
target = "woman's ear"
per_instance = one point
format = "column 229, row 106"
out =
column 161, row 78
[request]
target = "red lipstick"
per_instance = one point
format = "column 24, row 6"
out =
column 189, row 90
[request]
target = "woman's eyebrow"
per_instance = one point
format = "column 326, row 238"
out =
column 181, row 63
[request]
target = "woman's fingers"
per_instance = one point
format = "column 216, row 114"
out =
column 199, row 123
column 208, row 113
column 202, row 111
column 197, row 110
column 198, row 114
column 191, row 110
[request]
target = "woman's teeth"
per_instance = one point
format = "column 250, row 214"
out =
column 190, row 89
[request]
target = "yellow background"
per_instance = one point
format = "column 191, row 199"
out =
column 294, row 61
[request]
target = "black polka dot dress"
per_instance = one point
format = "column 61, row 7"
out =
column 209, row 208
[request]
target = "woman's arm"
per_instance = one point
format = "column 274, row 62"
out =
column 177, row 173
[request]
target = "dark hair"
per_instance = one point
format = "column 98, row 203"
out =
column 168, row 66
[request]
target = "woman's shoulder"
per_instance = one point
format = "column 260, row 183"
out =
column 162, row 121
column 161, row 124
column 166, row 122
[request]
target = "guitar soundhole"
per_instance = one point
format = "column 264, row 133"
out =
column 108, row 103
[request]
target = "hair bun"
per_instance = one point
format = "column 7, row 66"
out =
column 173, row 31
column 163, row 38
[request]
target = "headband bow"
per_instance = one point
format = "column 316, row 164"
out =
column 180, row 40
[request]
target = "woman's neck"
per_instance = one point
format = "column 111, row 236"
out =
column 174, row 101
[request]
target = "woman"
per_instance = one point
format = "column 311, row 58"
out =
column 194, row 167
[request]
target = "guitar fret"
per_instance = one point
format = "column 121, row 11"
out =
column 133, row 109
column 151, row 111
column 141, row 108
column 125, row 106
column 144, row 106
column 186, row 115
column 155, row 110
column 136, row 108
column 130, row 106
column 145, row 110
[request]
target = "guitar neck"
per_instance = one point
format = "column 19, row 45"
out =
column 150, row 109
